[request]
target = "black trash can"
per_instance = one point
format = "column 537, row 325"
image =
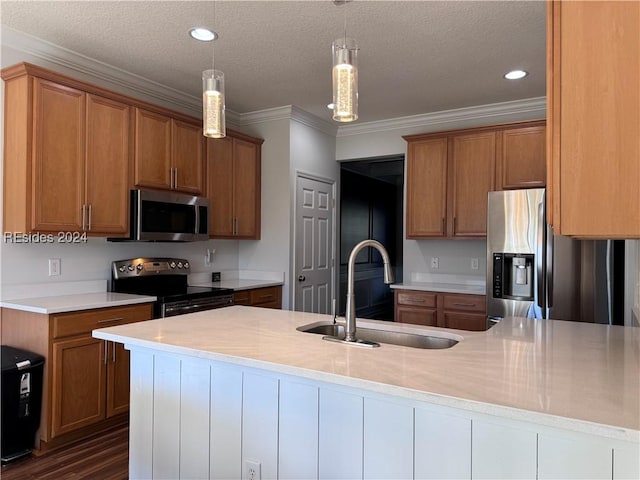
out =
column 21, row 391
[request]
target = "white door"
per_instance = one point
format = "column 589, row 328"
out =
column 314, row 257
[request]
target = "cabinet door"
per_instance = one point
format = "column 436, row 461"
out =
column 576, row 457
column 58, row 174
column 152, row 161
column 416, row 315
column 246, row 186
column 188, row 160
column 594, row 118
column 472, row 174
column 117, row 379
column 220, row 186
column 502, row 452
column 464, row 321
column 426, row 188
column 78, row 384
column 107, row 166
column 522, row 159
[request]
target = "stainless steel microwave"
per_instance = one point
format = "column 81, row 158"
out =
column 168, row 217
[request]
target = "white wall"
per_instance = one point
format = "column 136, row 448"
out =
column 271, row 252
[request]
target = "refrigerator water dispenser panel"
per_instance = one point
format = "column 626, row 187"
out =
column 513, row 276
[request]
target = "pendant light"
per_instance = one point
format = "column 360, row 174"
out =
column 345, row 75
column 213, row 107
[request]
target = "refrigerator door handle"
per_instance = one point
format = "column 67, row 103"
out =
column 549, row 273
column 540, row 254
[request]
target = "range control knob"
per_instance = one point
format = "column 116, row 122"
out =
column 172, row 264
column 130, row 268
column 179, row 264
column 139, row 267
column 186, row 264
column 122, row 268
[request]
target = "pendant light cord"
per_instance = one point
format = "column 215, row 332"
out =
column 213, row 48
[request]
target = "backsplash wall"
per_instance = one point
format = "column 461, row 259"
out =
column 29, row 263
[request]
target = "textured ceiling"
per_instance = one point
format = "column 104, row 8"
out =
column 415, row 57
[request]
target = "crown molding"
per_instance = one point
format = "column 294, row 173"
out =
column 287, row 112
column 70, row 60
column 531, row 106
column 192, row 105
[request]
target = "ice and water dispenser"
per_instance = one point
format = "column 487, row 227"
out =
column 513, row 276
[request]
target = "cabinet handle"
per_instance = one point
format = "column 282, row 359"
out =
column 443, row 226
column 459, row 304
column 235, row 226
column 90, row 212
column 175, row 177
column 454, row 225
column 266, row 296
column 84, row 216
column 105, row 352
column 113, row 351
column 110, row 320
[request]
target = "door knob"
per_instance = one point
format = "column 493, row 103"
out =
column 301, row 278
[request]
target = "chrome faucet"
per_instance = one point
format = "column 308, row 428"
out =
column 350, row 315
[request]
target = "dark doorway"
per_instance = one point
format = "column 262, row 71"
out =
column 371, row 207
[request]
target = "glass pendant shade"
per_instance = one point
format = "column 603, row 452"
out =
column 213, row 124
column 345, row 80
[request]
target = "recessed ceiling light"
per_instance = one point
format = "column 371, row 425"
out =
column 515, row 74
column 203, row 34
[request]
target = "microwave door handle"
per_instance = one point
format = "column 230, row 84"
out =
column 540, row 253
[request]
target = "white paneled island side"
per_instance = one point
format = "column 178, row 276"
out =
column 528, row 398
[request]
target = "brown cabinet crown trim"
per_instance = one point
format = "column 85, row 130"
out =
column 466, row 131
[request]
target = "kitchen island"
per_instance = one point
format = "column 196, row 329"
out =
column 216, row 393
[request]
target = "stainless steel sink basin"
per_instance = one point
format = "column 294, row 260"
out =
column 371, row 337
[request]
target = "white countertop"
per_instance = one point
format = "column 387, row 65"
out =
column 71, row 303
column 238, row 284
column 441, row 287
column 584, row 377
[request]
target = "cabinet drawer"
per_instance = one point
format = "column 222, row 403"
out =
column 242, row 298
column 76, row 323
column 265, row 295
column 416, row 299
column 466, row 303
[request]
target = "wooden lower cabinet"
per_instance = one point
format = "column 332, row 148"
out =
column 432, row 309
column 266, row 297
column 86, row 380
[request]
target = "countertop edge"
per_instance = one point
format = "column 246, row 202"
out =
column 16, row 305
column 512, row 413
column 239, row 284
column 441, row 288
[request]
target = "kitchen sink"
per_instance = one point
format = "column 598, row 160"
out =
column 372, row 337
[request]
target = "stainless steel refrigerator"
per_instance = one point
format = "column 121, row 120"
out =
column 533, row 273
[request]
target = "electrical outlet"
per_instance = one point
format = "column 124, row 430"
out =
column 54, row 267
column 215, row 276
column 474, row 264
column 252, row 470
column 435, row 261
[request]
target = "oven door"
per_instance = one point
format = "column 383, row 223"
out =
column 171, row 309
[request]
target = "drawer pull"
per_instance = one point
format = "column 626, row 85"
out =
column 111, row 320
column 460, row 304
column 266, row 296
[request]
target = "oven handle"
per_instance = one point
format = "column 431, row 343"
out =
column 196, row 306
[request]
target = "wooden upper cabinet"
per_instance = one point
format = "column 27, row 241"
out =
column 58, row 157
column 449, row 175
column 427, row 188
column 593, row 98
column 522, row 158
column 107, row 166
column 66, row 159
column 246, row 184
column 472, row 173
column 168, row 153
column 233, row 186
column 220, row 186
column 152, row 161
column 188, row 158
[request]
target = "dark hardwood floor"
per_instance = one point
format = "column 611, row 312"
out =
column 104, row 457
